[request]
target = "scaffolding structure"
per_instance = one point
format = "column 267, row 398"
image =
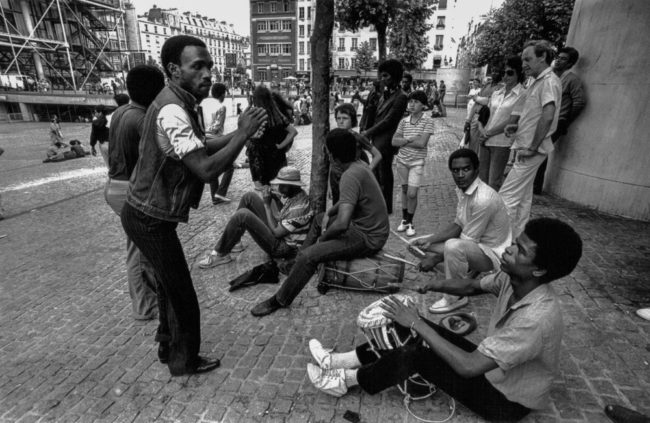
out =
column 69, row 44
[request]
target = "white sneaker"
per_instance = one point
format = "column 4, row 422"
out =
column 238, row 248
column 321, row 355
column 330, row 381
column 643, row 313
column 410, row 230
column 445, row 305
column 213, row 260
column 402, row 226
column 219, row 199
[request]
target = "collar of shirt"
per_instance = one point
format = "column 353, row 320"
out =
column 470, row 189
column 545, row 73
column 532, row 297
column 514, row 91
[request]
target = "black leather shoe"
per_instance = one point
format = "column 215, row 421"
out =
column 203, row 365
column 163, row 352
column 266, row 307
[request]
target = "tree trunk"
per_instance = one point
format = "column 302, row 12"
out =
column 320, row 64
column 381, row 41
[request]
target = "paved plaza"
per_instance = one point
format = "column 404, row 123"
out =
column 71, row 352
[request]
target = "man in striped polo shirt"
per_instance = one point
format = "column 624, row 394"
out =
column 412, row 137
column 279, row 234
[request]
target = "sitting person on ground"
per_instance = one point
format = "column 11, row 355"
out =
column 55, row 152
column 346, row 118
column 357, row 223
column 78, row 148
column 511, row 371
column 279, row 234
column 412, row 137
column 478, row 236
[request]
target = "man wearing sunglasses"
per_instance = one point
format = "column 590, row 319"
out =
column 573, row 101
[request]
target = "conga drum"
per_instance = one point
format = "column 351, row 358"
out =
column 383, row 334
column 376, row 273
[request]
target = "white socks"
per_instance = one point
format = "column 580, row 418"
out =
column 351, row 377
column 347, row 360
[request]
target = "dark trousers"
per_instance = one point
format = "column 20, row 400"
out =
column 221, row 187
column 177, row 303
column 251, row 216
column 349, row 245
column 395, row 366
column 384, row 174
column 538, row 184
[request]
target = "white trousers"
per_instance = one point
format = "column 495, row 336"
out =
column 517, row 191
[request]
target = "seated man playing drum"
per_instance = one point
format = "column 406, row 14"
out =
column 511, row 371
column 357, row 224
column 278, row 233
column 476, row 238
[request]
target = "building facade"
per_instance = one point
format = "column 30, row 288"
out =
column 220, row 37
column 273, row 40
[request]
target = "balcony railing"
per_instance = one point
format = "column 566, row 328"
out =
column 440, row 26
column 340, row 49
column 437, row 47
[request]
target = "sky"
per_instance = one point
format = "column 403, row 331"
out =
column 234, row 12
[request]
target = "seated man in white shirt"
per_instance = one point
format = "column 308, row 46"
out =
column 476, row 238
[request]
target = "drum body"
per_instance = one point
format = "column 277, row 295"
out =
column 384, row 335
column 375, row 273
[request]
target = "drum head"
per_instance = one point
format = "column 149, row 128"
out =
column 373, row 315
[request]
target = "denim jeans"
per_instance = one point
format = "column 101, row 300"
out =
column 251, row 216
column 351, row 244
column 395, row 366
column 177, row 302
column 221, row 187
column 140, row 274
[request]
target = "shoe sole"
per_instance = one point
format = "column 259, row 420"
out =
column 211, row 265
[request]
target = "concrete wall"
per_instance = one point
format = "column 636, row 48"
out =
column 604, row 161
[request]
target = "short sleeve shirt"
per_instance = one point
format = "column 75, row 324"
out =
column 409, row 129
column 524, row 340
column 359, row 187
column 501, row 107
column 545, row 89
column 174, row 132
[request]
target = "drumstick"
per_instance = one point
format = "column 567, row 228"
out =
column 400, row 259
column 416, row 249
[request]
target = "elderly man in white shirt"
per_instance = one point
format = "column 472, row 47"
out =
column 476, row 238
column 537, row 117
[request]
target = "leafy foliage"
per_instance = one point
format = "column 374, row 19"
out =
column 408, row 39
column 365, row 58
column 507, row 29
column 355, row 14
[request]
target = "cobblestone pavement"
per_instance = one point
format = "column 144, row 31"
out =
column 70, row 351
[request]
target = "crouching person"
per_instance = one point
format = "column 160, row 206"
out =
column 511, row 371
column 278, row 233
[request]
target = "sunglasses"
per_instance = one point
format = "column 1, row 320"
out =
column 510, row 72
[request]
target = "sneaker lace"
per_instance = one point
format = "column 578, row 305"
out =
column 330, row 374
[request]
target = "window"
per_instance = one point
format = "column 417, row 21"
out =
column 353, row 63
column 274, row 25
column 273, row 7
column 155, row 29
column 442, row 4
column 301, row 47
column 301, row 64
column 308, row 48
column 441, row 22
column 261, row 75
column 146, row 28
column 261, row 26
column 308, row 12
column 286, row 7
column 308, row 65
column 274, row 49
column 260, row 7
column 301, row 31
column 286, row 49
column 309, row 30
column 301, row 13
column 438, row 45
column 355, row 45
column 341, row 44
column 373, row 44
column 341, row 63
column 286, row 25
column 261, row 49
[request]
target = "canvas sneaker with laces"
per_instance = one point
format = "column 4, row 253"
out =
column 402, row 226
column 331, row 381
column 448, row 304
column 410, row 230
column 321, row 355
column 213, row 260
